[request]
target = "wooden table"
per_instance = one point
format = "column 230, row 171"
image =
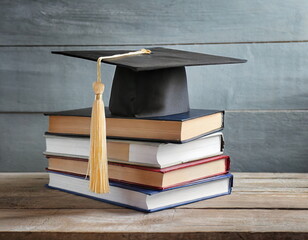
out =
column 262, row 206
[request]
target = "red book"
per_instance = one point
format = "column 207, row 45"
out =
column 145, row 176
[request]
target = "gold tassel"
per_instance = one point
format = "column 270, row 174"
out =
column 98, row 151
column 98, row 163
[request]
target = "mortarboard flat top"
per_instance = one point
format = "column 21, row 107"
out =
column 159, row 58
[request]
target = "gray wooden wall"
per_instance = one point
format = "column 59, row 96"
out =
column 265, row 99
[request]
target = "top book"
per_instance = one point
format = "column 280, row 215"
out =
column 178, row 128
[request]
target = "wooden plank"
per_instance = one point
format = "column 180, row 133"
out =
column 256, row 200
column 171, row 221
column 28, row 175
column 270, row 175
column 43, row 198
column 273, row 190
column 46, row 82
column 27, row 191
column 256, row 141
column 33, row 80
column 137, row 22
column 260, row 141
column 22, row 142
column 52, row 214
column 277, row 183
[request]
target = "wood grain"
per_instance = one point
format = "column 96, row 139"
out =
column 22, row 142
column 171, row 221
column 93, row 22
column 31, row 211
column 259, row 141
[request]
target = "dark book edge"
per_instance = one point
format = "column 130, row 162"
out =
column 192, row 114
column 222, row 143
column 139, row 139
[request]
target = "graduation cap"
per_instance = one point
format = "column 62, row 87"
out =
column 155, row 84
column 146, row 83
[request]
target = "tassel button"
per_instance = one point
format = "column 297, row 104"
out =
column 98, row 87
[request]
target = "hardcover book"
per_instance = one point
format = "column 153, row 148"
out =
column 148, row 177
column 152, row 154
column 177, row 128
column 144, row 199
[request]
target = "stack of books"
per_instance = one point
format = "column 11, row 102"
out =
column 154, row 163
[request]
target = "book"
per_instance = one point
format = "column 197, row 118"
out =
column 145, row 176
column 153, row 154
column 177, row 128
column 144, row 199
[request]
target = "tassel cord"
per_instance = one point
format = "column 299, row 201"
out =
column 98, row 163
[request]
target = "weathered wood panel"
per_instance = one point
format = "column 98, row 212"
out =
column 269, row 175
column 30, row 211
column 171, row 221
column 275, row 77
column 22, row 142
column 147, row 22
column 256, row 141
column 267, row 141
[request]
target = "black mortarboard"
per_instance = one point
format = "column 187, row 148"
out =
column 150, row 84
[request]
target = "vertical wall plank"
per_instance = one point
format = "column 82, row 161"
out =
column 93, row 22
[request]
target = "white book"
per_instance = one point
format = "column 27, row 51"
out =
column 153, row 154
column 145, row 199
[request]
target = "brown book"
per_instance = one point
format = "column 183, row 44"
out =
column 150, row 177
column 178, row 128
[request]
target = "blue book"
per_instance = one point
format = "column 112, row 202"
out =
column 142, row 199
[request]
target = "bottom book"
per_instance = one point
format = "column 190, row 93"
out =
column 142, row 199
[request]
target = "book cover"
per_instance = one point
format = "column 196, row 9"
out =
column 177, row 128
column 145, row 176
column 142, row 199
column 152, row 154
